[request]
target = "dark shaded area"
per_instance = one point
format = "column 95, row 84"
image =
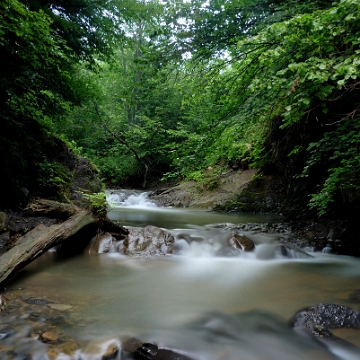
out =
column 37, row 164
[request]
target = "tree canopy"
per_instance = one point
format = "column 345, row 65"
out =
column 151, row 89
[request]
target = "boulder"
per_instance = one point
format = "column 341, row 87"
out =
column 149, row 241
column 318, row 319
column 101, row 243
column 241, row 242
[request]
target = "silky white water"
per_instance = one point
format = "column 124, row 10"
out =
column 208, row 305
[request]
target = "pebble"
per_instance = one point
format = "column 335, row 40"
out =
column 50, row 336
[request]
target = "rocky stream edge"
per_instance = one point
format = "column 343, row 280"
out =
column 46, row 224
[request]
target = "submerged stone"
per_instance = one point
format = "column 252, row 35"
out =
column 50, row 336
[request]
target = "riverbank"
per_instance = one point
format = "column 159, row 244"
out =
column 249, row 191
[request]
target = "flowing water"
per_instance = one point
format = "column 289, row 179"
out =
column 207, row 303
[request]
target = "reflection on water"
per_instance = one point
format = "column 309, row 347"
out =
column 161, row 300
column 210, row 307
column 134, row 208
column 174, row 218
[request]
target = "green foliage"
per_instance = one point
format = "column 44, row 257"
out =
column 52, row 178
column 117, row 168
column 214, row 27
column 126, row 126
column 33, row 67
column 97, row 202
column 233, row 83
column 296, row 67
column 340, row 148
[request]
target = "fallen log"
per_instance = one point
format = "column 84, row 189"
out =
column 38, row 241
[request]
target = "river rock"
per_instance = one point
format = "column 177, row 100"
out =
column 50, row 336
column 167, row 354
column 149, row 241
column 320, row 318
column 65, row 350
column 241, row 242
column 101, row 243
column 146, row 351
column 149, row 351
column 104, row 349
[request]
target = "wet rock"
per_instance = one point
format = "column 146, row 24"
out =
column 6, row 332
column 149, row 241
column 104, row 349
column 50, row 336
column 67, row 348
column 130, row 345
column 52, row 353
column 320, row 318
column 166, row 354
column 58, row 320
column 117, row 231
column 36, row 317
column 146, row 351
column 37, row 301
column 101, row 243
column 241, row 242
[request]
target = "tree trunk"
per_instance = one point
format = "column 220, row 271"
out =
column 38, row 241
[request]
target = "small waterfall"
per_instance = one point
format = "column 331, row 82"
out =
column 129, row 198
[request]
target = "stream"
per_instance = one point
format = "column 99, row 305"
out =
column 203, row 302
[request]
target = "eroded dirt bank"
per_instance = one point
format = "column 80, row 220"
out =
column 251, row 191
